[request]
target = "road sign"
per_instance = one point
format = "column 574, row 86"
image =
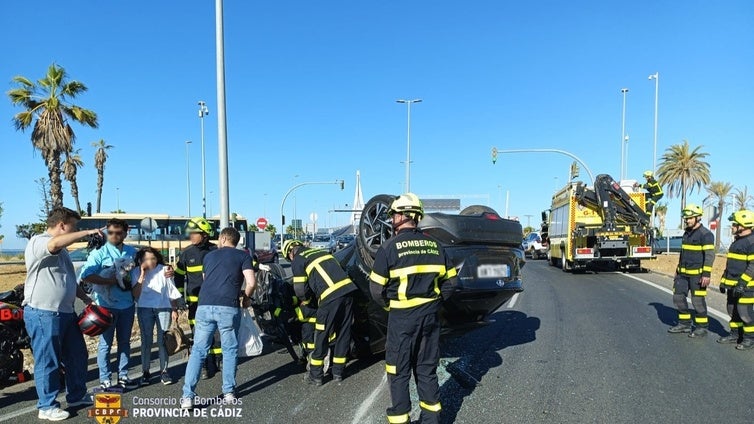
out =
column 262, row 223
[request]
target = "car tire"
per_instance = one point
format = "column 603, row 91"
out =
column 477, row 210
column 374, row 227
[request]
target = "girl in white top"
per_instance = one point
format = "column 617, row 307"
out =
column 156, row 297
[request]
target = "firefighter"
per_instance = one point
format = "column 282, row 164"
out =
column 407, row 277
column 654, row 191
column 738, row 281
column 189, row 278
column 306, row 312
column 693, row 273
column 317, row 276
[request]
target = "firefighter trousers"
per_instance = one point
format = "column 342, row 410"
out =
column 210, row 364
column 333, row 323
column 682, row 285
column 741, row 311
column 413, row 346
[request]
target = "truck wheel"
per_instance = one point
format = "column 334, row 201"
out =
column 566, row 265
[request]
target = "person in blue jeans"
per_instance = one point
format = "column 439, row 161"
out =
column 49, row 294
column 225, row 269
column 98, row 271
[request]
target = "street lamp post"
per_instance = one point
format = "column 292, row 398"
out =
column 188, row 180
column 210, row 202
column 117, row 199
column 656, row 77
column 495, row 152
column 623, row 138
column 203, row 111
column 282, row 204
column 222, row 136
column 408, row 140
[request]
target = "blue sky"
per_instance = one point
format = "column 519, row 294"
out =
column 311, row 90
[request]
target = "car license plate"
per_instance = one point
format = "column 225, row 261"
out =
column 493, row 271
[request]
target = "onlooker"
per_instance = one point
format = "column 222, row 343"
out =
column 49, row 294
column 225, row 269
column 156, row 297
column 119, row 302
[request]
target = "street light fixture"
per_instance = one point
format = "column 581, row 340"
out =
column 656, row 77
column 408, row 140
column 282, row 204
column 623, row 139
column 203, row 111
column 188, row 180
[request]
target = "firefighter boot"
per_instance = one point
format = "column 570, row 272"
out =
column 698, row 332
column 680, row 328
column 746, row 344
column 733, row 337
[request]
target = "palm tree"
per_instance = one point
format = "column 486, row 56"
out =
column 47, row 107
column 742, row 199
column 719, row 191
column 682, row 169
column 100, row 157
column 661, row 211
column 71, row 166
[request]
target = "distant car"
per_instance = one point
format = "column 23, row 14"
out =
column 660, row 244
column 324, row 242
column 534, row 246
column 267, row 256
column 345, row 240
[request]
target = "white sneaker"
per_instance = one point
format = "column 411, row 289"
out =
column 230, row 398
column 87, row 400
column 187, row 403
column 53, row 414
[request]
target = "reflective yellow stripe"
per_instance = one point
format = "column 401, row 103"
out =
column 319, row 327
column 192, row 299
column 294, row 299
column 452, row 272
column 746, row 278
column 300, row 315
column 337, row 360
column 334, row 287
column 684, row 316
column 707, row 268
column 216, row 350
column 179, row 271
column 737, row 256
column 195, row 268
column 277, row 312
column 312, row 320
column 434, row 407
column 180, row 289
column 689, row 271
column 316, row 262
column 310, row 346
column 397, row 419
column 746, row 300
column 701, row 320
column 692, row 247
column 700, row 292
column 404, row 273
column 377, row 278
column 192, row 321
column 728, row 282
column 708, row 247
column 333, row 336
column 316, row 362
column 299, row 279
column 736, row 324
column 410, row 303
column 390, row 369
column 749, row 329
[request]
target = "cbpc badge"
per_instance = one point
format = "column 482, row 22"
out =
column 107, row 408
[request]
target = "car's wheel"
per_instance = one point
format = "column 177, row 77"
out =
column 477, row 210
column 375, row 227
column 275, row 259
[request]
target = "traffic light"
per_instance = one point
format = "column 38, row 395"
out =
column 574, row 169
column 342, row 184
column 283, row 220
column 494, row 155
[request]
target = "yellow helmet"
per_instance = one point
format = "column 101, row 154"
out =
column 288, row 245
column 409, row 205
column 691, row 211
column 648, row 174
column 199, row 225
column 744, row 218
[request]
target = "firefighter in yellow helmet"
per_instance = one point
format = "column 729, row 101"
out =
column 189, row 277
column 693, row 273
column 654, row 191
column 407, row 276
column 738, row 281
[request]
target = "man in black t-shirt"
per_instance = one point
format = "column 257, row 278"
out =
column 225, row 269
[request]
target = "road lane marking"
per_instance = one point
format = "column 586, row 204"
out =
column 712, row 311
column 367, row 404
column 512, row 302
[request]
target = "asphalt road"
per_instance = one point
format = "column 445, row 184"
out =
column 570, row 349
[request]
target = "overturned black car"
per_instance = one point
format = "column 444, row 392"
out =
column 484, row 247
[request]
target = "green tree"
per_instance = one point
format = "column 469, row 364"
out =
column 661, row 212
column 683, row 169
column 719, row 192
column 100, row 157
column 44, row 191
column 271, row 229
column 48, row 108
column 30, row 230
column 742, row 199
column 71, row 167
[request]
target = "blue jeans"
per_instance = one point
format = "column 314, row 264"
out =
column 148, row 318
column 122, row 325
column 56, row 340
column 209, row 319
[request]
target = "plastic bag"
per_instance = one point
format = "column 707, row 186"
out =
column 249, row 339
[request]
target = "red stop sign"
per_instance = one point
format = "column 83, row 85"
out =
column 262, row 223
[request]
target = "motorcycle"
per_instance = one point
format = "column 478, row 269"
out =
column 13, row 338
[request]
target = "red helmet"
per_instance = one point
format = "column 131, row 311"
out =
column 94, row 320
